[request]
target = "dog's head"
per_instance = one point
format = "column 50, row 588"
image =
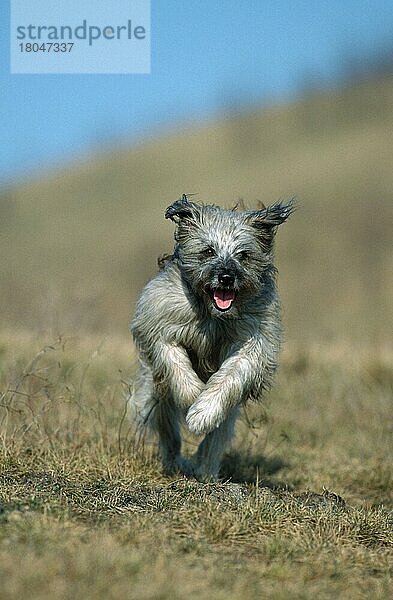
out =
column 225, row 256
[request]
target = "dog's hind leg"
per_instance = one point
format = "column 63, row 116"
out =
column 209, row 454
column 165, row 421
column 154, row 409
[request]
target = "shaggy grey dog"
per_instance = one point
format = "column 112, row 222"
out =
column 208, row 329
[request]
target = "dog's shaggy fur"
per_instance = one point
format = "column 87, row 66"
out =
column 208, row 329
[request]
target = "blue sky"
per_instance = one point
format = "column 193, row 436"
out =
column 206, row 54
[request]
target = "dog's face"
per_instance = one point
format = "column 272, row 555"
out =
column 225, row 255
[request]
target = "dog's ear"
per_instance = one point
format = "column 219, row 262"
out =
column 270, row 216
column 182, row 209
column 266, row 220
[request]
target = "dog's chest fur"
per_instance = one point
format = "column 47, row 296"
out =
column 209, row 342
column 207, row 348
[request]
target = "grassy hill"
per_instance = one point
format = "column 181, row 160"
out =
column 78, row 244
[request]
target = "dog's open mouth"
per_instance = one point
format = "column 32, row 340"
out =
column 223, row 298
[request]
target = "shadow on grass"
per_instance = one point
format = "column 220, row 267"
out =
column 246, row 468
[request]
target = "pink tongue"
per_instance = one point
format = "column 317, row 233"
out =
column 224, row 298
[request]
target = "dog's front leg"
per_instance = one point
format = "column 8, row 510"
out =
column 207, row 459
column 174, row 365
column 242, row 374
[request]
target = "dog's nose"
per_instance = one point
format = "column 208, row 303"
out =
column 226, row 279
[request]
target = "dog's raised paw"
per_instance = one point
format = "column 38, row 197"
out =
column 204, row 416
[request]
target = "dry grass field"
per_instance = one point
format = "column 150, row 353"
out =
column 305, row 510
column 305, row 506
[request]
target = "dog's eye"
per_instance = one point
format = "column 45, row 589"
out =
column 244, row 255
column 207, row 253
